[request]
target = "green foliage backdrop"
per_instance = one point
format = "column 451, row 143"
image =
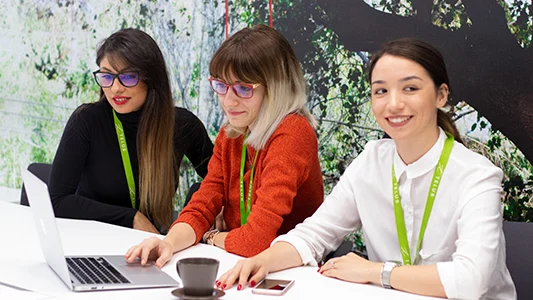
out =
column 48, row 51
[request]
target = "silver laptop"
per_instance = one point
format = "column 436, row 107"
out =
column 85, row 273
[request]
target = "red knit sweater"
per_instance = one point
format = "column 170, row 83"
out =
column 287, row 187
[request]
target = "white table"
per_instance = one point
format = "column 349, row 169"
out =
column 22, row 263
column 9, row 194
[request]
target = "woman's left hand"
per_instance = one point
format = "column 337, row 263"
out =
column 352, row 267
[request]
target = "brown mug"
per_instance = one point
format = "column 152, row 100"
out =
column 198, row 275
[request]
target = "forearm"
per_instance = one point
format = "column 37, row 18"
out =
column 180, row 236
column 78, row 207
column 422, row 280
column 280, row 256
column 219, row 239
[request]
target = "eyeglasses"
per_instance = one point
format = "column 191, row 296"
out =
column 242, row 90
column 106, row 80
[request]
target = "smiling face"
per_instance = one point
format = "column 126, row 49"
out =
column 405, row 100
column 123, row 99
column 242, row 112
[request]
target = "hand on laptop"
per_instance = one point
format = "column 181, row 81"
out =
column 151, row 249
column 141, row 222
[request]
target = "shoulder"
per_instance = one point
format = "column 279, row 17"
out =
column 293, row 136
column 90, row 113
column 471, row 164
column 472, row 179
column 461, row 154
column 222, row 137
column 187, row 125
column 375, row 155
column 383, row 149
column 183, row 113
column 296, row 126
column 185, row 118
column 294, row 122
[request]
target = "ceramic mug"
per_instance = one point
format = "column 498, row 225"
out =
column 198, row 275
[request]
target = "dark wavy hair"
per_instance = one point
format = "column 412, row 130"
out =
column 137, row 51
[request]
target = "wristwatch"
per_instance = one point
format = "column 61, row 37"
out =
column 386, row 269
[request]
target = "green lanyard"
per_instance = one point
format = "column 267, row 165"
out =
column 246, row 211
column 398, row 212
column 125, row 157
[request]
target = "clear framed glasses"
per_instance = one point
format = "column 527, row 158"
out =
column 105, row 79
column 242, row 90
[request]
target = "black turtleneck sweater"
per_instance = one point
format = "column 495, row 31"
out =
column 88, row 181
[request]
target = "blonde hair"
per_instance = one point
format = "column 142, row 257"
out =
column 262, row 55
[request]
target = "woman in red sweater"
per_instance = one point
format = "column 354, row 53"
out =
column 264, row 170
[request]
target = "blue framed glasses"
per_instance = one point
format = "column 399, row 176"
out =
column 105, row 79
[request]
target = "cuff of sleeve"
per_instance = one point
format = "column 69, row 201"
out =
column 128, row 219
column 301, row 246
column 447, row 278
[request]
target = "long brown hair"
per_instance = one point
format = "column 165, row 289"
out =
column 263, row 55
column 155, row 137
column 431, row 60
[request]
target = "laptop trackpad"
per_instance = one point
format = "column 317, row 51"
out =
column 136, row 272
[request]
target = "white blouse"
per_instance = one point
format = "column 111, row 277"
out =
column 464, row 235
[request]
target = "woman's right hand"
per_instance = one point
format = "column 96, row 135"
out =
column 151, row 248
column 141, row 222
column 280, row 256
column 250, row 270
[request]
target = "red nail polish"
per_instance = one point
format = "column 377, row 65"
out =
column 318, row 270
column 252, row 283
column 321, row 272
column 224, row 286
column 239, row 287
column 218, row 283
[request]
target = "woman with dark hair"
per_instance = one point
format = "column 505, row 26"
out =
column 265, row 170
column 118, row 159
column 428, row 207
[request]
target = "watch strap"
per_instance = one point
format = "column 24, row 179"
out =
column 386, row 271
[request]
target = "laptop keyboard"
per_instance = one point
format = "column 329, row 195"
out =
column 94, row 270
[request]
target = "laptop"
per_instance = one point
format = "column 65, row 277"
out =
column 85, row 273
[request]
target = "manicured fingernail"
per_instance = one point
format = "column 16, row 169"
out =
column 318, row 270
column 321, row 272
column 239, row 287
column 218, row 283
column 224, row 286
column 252, row 283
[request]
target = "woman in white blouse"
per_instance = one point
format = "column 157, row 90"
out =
column 428, row 207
